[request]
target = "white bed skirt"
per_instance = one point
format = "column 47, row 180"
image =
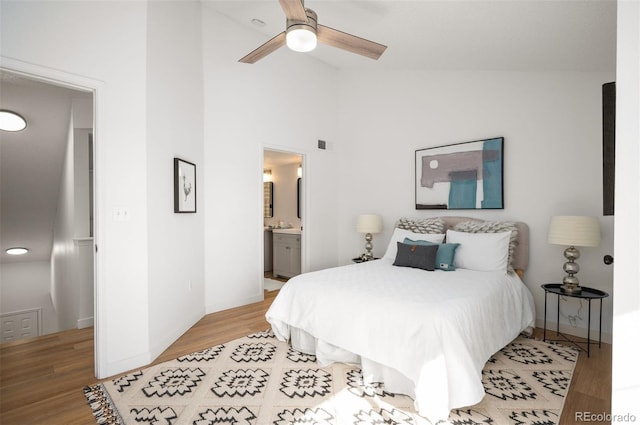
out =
column 372, row 372
column 394, row 381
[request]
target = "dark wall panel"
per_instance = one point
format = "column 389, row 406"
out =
column 608, row 147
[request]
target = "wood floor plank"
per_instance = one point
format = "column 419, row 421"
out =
column 41, row 379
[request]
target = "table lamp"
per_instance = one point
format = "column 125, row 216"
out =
column 368, row 224
column 573, row 231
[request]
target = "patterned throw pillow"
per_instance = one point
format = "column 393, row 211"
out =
column 424, row 225
column 493, row 227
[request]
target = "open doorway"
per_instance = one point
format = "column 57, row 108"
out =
column 47, row 204
column 282, row 216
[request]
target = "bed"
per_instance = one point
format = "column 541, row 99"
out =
column 422, row 332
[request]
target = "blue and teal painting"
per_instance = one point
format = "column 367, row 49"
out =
column 461, row 176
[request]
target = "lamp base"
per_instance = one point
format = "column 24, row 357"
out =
column 571, row 288
column 570, row 283
column 368, row 246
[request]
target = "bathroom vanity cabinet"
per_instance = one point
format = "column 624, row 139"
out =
column 286, row 254
column 268, row 250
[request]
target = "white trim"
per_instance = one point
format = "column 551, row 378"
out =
column 85, row 322
column 131, row 363
column 576, row 331
column 162, row 344
column 79, row 82
column 217, row 307
column 83, row 241
column 304, row 239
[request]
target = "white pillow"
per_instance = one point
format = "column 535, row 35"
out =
column 400, row 234
column 483, row 252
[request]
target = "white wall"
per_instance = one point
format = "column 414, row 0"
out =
column 552, row 127
column 63, row 285
column 24, row 286
column 103, row 45
column 174, row 129
column 248, row 108
column 72, row 277
column 81, row 181
column 625, row 372
column 83, row 248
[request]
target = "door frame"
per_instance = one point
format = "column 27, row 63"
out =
column 304, row 222
column 96, row 87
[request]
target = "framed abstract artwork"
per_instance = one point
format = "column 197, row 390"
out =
column 460, row 176
column 184, row 186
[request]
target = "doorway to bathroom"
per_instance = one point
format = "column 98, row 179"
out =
column 282, row 216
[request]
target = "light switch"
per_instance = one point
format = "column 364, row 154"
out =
column 120, row 214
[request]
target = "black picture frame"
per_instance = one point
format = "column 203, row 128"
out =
column 184, row 186
column 466, row 175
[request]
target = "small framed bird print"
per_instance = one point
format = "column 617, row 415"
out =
column 184, row 186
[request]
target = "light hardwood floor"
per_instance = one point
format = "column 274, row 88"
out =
column 41, row 379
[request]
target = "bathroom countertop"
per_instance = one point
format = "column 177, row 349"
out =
column 290, row 231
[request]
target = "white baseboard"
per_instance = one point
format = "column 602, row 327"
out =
column 213, row 308
column 575, row 331
column 87, row 322
column 118, row 367
column 158, row 346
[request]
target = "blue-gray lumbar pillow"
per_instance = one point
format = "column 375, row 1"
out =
column 417, row 256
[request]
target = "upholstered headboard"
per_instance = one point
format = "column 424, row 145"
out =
column 520, row 261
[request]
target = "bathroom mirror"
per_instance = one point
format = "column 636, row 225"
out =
column 268, row 199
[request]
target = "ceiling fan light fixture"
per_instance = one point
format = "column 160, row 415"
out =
column 11, row 121
column 301, row 38
column 301, row 35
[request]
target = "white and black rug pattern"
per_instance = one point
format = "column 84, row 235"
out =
column 259, row 380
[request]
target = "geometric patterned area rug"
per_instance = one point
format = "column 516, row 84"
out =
column 258, row 380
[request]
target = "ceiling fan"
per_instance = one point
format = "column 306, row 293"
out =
column 303, row 32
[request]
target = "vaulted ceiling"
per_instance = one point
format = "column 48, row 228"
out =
column 513, row 35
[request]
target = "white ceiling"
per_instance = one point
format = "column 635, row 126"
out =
column 514, row 35
column 31, row 164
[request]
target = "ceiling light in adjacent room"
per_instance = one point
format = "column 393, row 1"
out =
column 17, row 251
column 10, row 121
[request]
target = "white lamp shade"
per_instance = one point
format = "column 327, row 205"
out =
column 369, row 223
column 574, row 230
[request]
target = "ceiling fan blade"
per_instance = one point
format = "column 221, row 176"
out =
column 269, row 47
column 351, row 43
column 294, row 10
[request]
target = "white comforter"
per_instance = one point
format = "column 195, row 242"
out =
column 436, row 329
